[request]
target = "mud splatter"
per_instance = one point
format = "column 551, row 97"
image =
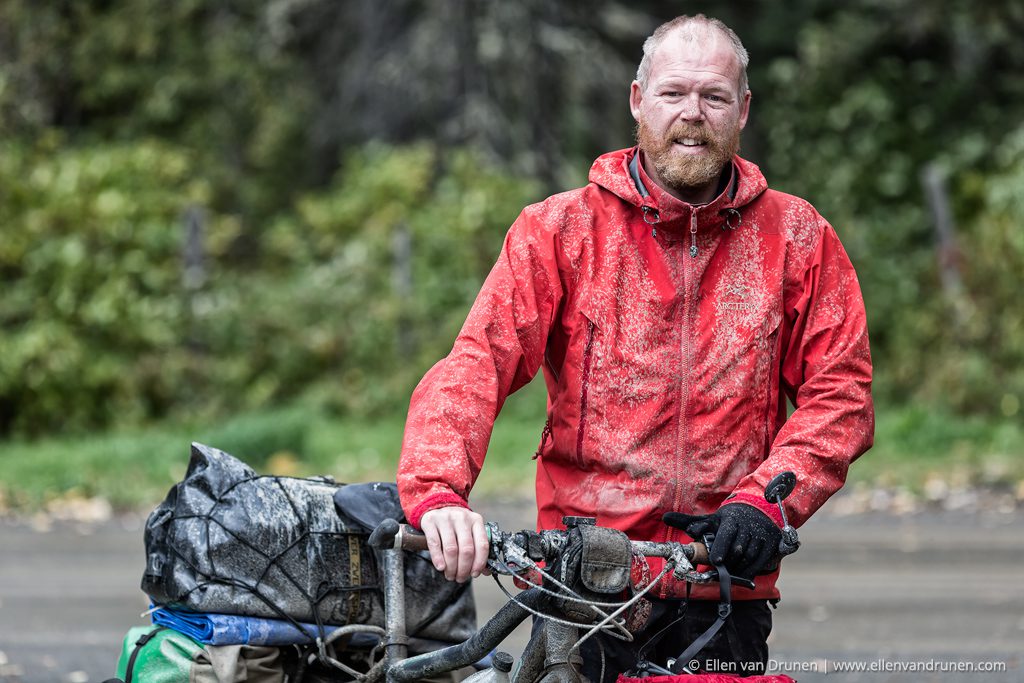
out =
column 685, row 361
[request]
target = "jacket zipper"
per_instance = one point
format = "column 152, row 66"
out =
column 583, row 393
column 544, row 436
column 693, row 234
column 682, row 462
column 682, row 452
column 684, row 413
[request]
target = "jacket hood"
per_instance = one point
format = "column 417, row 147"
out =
column 611, row 172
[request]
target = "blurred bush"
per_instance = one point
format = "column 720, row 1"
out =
column 360, row 287
column 875, row 96
column 980, row 366
column 92, row 316
column 383, row 266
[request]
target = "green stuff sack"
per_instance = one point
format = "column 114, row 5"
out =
column 156, row 654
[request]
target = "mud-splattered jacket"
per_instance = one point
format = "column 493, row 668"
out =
column 670, row 337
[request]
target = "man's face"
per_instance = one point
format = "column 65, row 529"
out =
column 690, row 115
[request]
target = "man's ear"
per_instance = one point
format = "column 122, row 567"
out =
column 636, row 96
column 744, row 109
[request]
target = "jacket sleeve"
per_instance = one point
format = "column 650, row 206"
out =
column 500, row 348
column 826, row 372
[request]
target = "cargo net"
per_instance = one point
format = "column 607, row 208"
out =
column 270, row 547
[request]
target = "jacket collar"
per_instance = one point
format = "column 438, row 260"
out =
column 621, row 173
column 642, row 181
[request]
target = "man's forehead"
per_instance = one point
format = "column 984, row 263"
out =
column 698, row 47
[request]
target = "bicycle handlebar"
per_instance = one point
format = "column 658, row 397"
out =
column 515, row 552
column 389, row 534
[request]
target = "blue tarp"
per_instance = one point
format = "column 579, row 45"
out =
column 231, row 629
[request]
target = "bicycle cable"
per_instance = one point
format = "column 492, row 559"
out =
column 569, row 594
column 534, row 612
column 606, row 623
column 628, row 604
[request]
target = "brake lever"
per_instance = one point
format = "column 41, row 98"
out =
column 712, row 573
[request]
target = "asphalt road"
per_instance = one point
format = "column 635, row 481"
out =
column 921, row 597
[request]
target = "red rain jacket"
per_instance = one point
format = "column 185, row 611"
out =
column 667, row 372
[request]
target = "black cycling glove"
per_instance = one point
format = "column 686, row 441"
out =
column 746, row 539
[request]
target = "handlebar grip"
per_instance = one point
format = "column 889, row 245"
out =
column 412, row 539
column 700, row 553
column 390, row 535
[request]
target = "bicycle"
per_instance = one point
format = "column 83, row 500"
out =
column 585, row 568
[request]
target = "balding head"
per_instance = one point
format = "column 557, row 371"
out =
column 699, row 29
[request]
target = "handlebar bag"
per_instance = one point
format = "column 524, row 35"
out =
column 606, row 559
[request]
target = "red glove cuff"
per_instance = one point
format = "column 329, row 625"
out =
column 758, row 502
column 438, row 500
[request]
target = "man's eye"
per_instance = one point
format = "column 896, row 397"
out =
column 715, row 98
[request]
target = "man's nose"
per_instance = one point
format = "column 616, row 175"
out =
column 689, row 109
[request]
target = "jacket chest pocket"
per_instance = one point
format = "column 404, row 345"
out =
column 628, row 349
column 628, row 358
column 740, row 327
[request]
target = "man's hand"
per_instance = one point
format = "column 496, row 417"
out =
column 457, row 542
column 746, row 539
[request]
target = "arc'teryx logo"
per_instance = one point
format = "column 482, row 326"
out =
column 735, row 299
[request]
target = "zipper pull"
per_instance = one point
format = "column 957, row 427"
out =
column 693, row 234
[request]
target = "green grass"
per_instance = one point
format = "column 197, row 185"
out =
column 135, row 469
column 914, row 444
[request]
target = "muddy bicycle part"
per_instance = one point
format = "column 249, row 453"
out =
column 391, row 535
column 393, row 539
column 514, row 554
column 777, row 490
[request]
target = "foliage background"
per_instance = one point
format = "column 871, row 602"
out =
column 349, row 170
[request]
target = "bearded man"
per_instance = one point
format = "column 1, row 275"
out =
column 675, row 303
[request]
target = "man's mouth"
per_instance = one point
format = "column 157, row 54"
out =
column 690, row 142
